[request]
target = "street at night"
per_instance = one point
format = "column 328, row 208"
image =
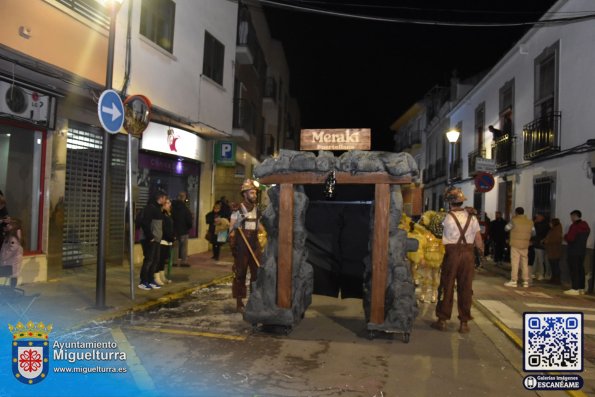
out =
column 297, row 198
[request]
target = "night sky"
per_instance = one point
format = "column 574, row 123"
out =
column 348, row 73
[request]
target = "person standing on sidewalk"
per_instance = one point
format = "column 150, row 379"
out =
column 498, row 237
column 553, row 249
column 540, row 268
column 217, row 224
column 166, row 243
column 458, row 263
column 182, row 218
column 152, row 227
column 577, row 236
column 521, row 229
column 243, row 240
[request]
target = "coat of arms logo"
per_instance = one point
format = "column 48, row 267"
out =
column 30, row 351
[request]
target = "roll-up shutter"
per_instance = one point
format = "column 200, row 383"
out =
column 82, row 196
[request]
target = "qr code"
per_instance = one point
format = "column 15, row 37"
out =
column 553, row 342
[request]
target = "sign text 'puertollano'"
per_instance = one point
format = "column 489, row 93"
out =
column 336, row 139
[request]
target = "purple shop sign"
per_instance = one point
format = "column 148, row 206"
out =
column 173, row 166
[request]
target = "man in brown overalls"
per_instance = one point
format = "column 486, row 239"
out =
column 461, row 232
column 244, row 221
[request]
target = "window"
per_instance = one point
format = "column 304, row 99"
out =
column 212, row 65
column 544, row 196
column 157, row 20
column 506, row 107
column 479, row 125
column 546, row 81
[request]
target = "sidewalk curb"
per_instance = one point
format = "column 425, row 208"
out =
column 152, row 303
column 516, row 340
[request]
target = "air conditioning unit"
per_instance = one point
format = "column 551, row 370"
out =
column 18, row 101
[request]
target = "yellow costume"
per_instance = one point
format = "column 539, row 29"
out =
column 431, row 227
column 415, row 257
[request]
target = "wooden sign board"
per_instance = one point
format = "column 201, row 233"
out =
column 336, row 139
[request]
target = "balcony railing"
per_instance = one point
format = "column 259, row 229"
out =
column 247, row 44
column 440, row 168
column 431, row 172
column 541, row 137
column 270, row 89
column 244, row 116
column 415, row 137
column 504, row 151
column 472, row 156
column 407, row 139
column 456, row 169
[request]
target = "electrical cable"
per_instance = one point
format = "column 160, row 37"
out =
column 540, row 23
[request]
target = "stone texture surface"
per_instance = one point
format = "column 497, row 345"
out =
column 400, row 303
column 355, row 161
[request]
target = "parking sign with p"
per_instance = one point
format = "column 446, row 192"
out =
column 225, row 153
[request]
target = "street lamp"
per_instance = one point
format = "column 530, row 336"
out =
column 113, row 6
column 453, row 136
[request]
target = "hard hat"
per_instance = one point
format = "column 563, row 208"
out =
column 454, row 195
column 249, row 184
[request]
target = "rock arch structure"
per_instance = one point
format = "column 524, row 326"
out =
column 283, row 290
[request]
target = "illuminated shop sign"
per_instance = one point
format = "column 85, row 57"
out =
column 175, row 141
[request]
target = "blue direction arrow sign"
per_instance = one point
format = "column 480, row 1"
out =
column 111, row 111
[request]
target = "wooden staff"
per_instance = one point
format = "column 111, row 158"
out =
column 249, row 247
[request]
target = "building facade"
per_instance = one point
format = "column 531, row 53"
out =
column 531, row 116
column 53, row 63
column 265, row 116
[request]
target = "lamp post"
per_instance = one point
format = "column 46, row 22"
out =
column 453, row 136
column 113, row 6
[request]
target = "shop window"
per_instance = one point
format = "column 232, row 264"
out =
column 21, row 180
column 171, row 175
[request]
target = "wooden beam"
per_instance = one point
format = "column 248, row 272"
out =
column 285, row 254
column 380, row 252
column 313, row 178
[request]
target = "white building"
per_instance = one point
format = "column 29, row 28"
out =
column 539, row 101
column 53, row 57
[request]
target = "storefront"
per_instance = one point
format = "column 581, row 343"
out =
column 171, row 159
column 26, row 114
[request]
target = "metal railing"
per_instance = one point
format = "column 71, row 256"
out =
column 415, row 137
column 440, row 168
column 270, row 88
column 90, row 9
column 542, row 136
column 244, row 116
column 504, row 151
column 472, row 156
column 456, row 169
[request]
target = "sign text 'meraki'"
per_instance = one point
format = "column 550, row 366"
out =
column 336, row 139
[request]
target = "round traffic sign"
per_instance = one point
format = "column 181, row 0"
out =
column 111, row 111
column 484, row 182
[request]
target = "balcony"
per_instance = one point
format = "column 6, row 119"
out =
column 504, row 151
column 415, row 137
column 244, row 120
column 541, row 137
column 246, row 43
column 406, row 140
column 456, row 169
column 440, row 168
column 481, row 153
column 431, row 172
column 270, row 90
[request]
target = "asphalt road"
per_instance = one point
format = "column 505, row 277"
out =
column 200, row 346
